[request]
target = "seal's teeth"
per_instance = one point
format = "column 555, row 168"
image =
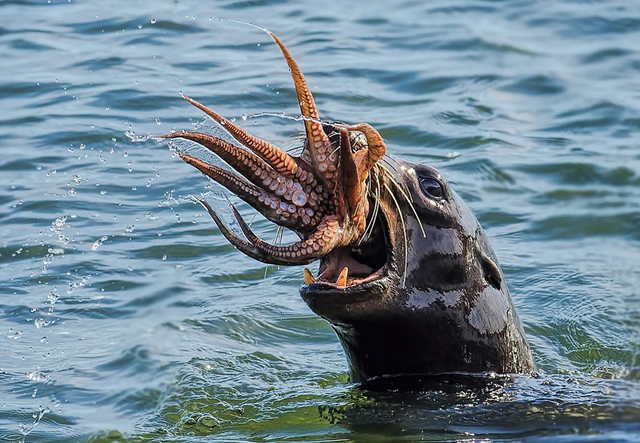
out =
column 308, row 277
column 342, row 278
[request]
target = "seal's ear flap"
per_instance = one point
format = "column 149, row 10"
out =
column 492, row 272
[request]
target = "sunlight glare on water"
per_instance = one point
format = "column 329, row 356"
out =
column 126, row 316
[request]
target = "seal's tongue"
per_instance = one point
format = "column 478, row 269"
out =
column 321, row 195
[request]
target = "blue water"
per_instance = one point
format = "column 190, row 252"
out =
column 126, row 316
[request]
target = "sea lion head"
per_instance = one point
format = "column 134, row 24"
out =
column 425, row 293
column 407, row 278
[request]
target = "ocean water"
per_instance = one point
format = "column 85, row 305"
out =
column 126, row 317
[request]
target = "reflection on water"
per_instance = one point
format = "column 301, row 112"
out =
column 124, row 314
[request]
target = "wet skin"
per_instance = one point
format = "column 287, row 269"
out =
column 407, row 277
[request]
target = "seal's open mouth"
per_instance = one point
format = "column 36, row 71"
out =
column 329, row 195
column 347, row 267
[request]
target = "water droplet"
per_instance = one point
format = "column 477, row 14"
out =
column 153, row 21
column 244, row 117
column 53, row 298
column 164, row 257
column 139, row 26
column 37, row 376
column 107, row 108
column 158, row 122
column 98, row 243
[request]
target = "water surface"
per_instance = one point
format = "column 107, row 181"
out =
column 126, row 316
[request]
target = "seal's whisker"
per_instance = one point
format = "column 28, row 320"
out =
column 277, row 239
column 404, row 235
column 368, row 221
column 280, row 231
column 376, row 208
column 406, row 197
column 392, row 163
column 396, row 183
column 388, row 169
column 253, row 217
column 371, row 220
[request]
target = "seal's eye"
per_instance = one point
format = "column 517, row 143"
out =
column 432, row 187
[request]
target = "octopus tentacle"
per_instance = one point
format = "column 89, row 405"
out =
column 247, row 164
column 319, row 243
column 322, row 195
column 255, row 170
column 277, row 158
column 376, row 148
column 242, row 245
column 295, row 254
column 351, row 184
column 272, row 206
column 318, row 142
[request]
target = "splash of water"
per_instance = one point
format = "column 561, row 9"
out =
column 131, row 135
column 99, row 242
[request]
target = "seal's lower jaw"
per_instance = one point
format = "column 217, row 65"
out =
column 367, row 275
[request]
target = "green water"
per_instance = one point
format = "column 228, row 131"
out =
column 126, row 316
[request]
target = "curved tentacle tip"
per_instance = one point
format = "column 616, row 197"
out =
column 242, row 245
column 214, row 215
column 172, row 134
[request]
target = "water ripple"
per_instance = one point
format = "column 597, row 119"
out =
column 125, row 314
